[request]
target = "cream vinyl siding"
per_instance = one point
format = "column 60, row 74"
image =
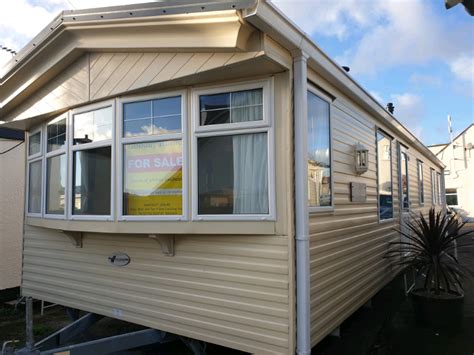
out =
column 97, row 76
column 347, row 244
column 229, row 290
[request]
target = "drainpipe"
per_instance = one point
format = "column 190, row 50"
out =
column 300, row 100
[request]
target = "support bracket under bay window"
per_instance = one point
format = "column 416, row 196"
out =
column 75, row 237
column 166, row 242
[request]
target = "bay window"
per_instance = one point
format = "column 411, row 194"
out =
column 72, row 169
column 232, row 144
column 91, row 151
column 152, row 157
column 319, row 152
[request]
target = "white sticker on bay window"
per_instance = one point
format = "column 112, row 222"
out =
column 93, row 126
column 56, row 134
column 91, row 181
column 153, row 178
column 233, row 174
column 231, row 107
column 159, row 116
column 55, row 184
column 34, row 143
column 319, row 155
column 34, row 187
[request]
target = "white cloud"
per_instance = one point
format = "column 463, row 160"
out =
column 409, row 110
column 389, row 32
column 463, row 67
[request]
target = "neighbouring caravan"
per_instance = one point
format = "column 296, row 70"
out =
column 12, row 184
column 208, row 171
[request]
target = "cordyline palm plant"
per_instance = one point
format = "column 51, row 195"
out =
column 430, row 249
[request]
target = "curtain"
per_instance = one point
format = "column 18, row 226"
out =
column 250, row 156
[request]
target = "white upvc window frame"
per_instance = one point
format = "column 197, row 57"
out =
column 79, row 147
column 377, row 152
column 121, row 141
column 323, row 96
column 229, row 129
column 33, row 159
column 52, row 154
column 438, row 188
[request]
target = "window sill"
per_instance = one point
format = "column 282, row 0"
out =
column 151, row 227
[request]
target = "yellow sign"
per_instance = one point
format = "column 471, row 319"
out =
column 153, row 182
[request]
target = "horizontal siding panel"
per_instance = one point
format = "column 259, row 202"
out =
column 213, row 286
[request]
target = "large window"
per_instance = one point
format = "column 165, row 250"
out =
column 152, row 151
column 319, row 152
column 421, row 187
column 92, row 162
column 434, row 194
column 452, row 197
column 384, row 175
column 233, row 164
column 438, row 188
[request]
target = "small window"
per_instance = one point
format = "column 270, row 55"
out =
column 93, row 126
column 433, row 186
column 34, row 186
column 319, row 152
column 159, row 116
column 231, row 107
column 452, row 197
column 91, row 181
column 421, row 188
column 404, row 180
column 56, row 134
column 34, row 143
column 438, row 187
column 56, row 184
column 384, row 175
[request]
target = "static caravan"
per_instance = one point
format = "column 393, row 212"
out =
column 206, row 170
column 12, row 172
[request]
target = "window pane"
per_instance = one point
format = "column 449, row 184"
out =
column 452, row 198
column 91, row 175
column 384, row 173
column 93, row 126
column 319, row 156
column 160, row 116
column 421, row 187
column 404, row 174
column 34, row 188
column 56, row 135
column 34, row 143
column 233, row 107
column 55, row 184
column 153, row 178
column 233, row 174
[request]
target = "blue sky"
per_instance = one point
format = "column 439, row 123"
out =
column 413, row 53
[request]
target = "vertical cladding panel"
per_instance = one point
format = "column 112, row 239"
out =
column 347, row 244
column 229, row 290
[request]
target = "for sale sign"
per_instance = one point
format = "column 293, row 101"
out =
column 153, row 182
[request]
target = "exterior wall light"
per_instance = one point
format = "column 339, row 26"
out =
column 361, row 158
